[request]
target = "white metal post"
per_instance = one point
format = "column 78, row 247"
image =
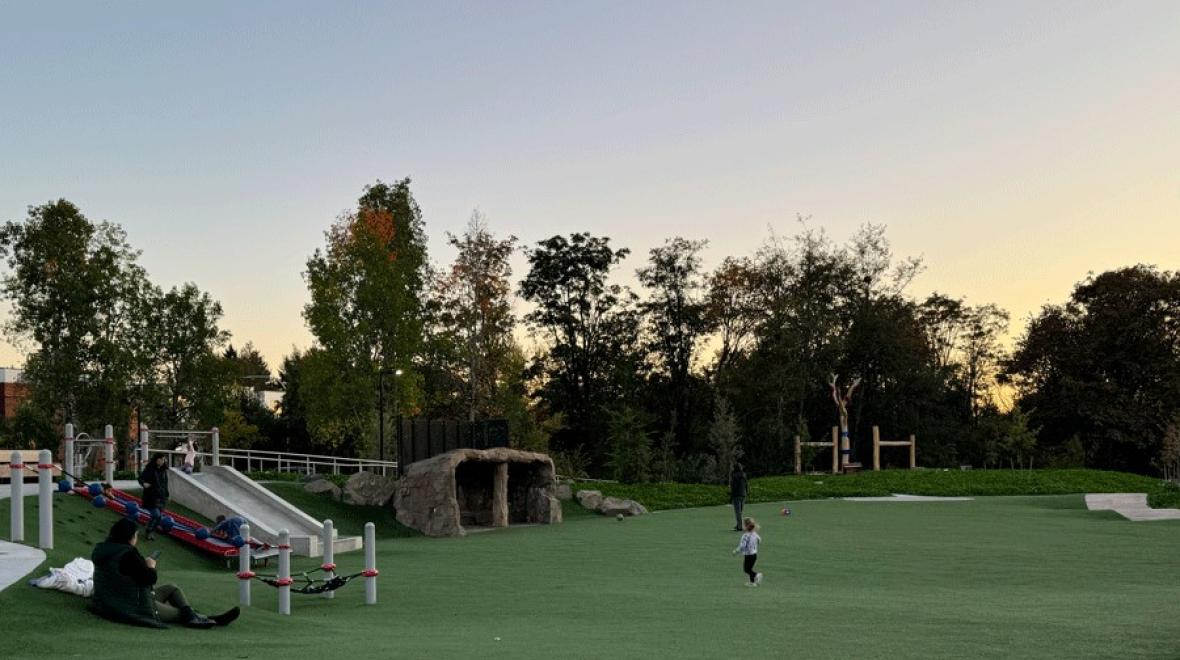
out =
column 245, row 575
column 69, row 455
column 45, row 500
column 284, row 581
column 16, row 474
column 370, row 571
column 216, row 460
column 108, row 461
column 329, row 564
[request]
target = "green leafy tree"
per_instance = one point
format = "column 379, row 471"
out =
column 725, row 441
column 366, row 313
column 675, row 315
column 473, row 312
column 591, row 330
column 630, row 456
column 76, row 291
column 1104, row 367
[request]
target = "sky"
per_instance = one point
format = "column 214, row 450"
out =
column 1014, row 146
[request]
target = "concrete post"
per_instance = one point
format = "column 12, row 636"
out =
column 371, row 571
column 216, row 447
column 913, row 451
column 500, row 496
column 16, row 469
column 144, row 441
column 69, row 453
column 108, row 458
column 45, row 500
column 329, row 564
column 876, row 448
column 245, row 575
column 284, row 581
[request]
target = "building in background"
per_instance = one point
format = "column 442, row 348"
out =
column 13, row 391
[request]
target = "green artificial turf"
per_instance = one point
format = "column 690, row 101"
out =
column 997, row 577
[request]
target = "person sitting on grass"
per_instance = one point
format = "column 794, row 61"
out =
column 125, row 587
column 228, row 528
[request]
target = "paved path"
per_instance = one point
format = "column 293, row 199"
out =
column 898, row 497
column 1132, row 506
column 17, row 561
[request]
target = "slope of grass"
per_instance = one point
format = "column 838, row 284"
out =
column 914, row 482
column 349, row 520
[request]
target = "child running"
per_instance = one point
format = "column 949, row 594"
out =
column 749, row 549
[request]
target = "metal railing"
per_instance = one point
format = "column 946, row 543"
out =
column 255, row 459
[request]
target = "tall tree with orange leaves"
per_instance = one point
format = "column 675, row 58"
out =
column 366, row 313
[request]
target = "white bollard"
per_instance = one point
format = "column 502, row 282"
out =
column 16, row 469
column 329, row 565
column 284, row 581
column 370, row 571
column 245, row 575
column 216, row 442
column 69, row 457
column 108, row 459
column 45, row 500
column 143, row 448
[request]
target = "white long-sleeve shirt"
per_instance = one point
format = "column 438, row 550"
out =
column 749, row 543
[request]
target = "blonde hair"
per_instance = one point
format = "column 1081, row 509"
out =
column 750, row 524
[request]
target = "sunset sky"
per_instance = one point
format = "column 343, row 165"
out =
column 1015, row 146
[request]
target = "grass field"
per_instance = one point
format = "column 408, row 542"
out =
column 997, row 577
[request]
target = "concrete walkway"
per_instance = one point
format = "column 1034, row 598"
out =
column 1132, row 506
column 899, row 497
column 17, row 561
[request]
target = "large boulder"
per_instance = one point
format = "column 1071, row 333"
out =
column 564, row 491
column 591, row 499
column 323, row 486
column 368, row 489
column 613, row 506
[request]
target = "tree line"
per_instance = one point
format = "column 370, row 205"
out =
column 675, row 379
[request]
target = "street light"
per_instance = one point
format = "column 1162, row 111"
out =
column 381, row 403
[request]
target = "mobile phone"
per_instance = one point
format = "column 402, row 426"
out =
column 156, row 554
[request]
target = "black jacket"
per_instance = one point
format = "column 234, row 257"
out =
column 155, row 485
column 123, row 585
column 737, row 484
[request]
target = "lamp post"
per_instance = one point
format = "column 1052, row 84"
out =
column 381, row 404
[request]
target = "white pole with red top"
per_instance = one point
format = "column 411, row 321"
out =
column 16, row 477
column 45, row 500
column 245, row 575
column 328, row 565
column 370, row 571
column 108, row 459
column 284, row 581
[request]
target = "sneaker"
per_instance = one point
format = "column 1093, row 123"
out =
column 151, row 537
column 226, row 618
column 757, row 579
column 750, row 584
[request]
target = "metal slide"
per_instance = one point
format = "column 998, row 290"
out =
column 222, row 490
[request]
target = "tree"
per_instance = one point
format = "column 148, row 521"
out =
column 76, row 291
column 725, row 442
column 473, row 311
column 180, row 344
column 247, row 367
column 366, row 313
column 675, row 315
column 732, row 308
column 591, row 330
column 1169, row 456
column 1104, row 367
column 630, row 445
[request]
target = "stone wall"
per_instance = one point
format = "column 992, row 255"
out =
column 477, row 487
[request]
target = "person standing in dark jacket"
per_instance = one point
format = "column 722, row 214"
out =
column 125, row 586
column 737, row 494
column 154, row 480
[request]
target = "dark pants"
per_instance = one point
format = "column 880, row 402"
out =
column 738, row 503
column 156, row 513
column 748, row 566
column 170, row 601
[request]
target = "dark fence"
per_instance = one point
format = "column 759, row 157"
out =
column 420, row 439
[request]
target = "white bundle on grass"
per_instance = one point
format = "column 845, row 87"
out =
column 76, row 577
